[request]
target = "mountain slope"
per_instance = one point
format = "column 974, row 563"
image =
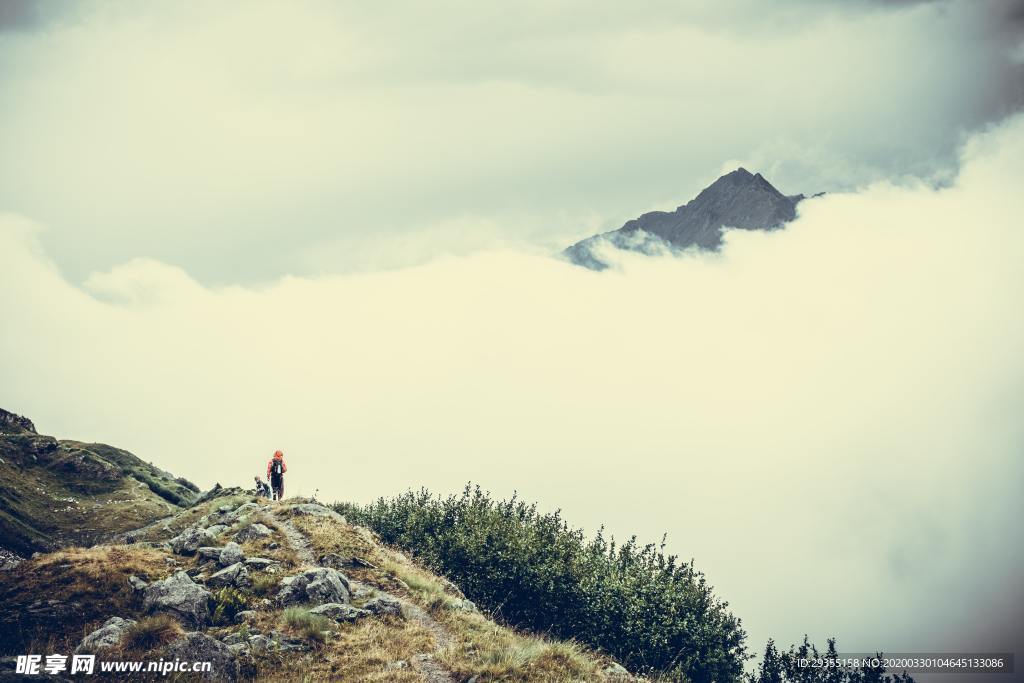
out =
column 283, row 591
column 738, row 199
column 59, row 492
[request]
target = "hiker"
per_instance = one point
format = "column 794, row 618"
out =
column 262, row 490
column 275, row 473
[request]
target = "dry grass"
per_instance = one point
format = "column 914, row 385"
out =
column 495, row 653
column 91, row 584
column 151, row 632
column 331, row 536
column 265, row 585
column 305, row 624
column 361, row 652
column 478, row 646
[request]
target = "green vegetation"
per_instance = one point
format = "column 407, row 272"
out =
column 180, row 492
column 54, row 490
column 651, row 611
column 227, row 603
column 784, row 667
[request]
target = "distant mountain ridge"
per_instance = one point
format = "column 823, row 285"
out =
column 739, row 199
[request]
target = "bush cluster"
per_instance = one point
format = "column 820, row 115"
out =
column 651, row 611
column 791, row 667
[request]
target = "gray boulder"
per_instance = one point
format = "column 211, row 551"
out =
column 316, row 510
column 231, row 554
column 260, row 642
column 345, row 562
column 245, row 509
column 208, row 552
column 136, row 583
column 180, row 596
column 232, row 638
column 105, row 636
column 383, row 604
column 318, row 586
column 616, row 670
column 216, row 530
column 340, row 612
column 252, row 532
column 199, row 647
column 190, row 540
column 236, row 575
column 260, row 562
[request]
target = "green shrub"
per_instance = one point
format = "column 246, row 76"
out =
column 227, row 603
column 784, row 667
column 654, row 613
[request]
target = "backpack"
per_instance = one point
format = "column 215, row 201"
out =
column 277, row 469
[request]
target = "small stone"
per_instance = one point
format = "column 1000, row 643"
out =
column 253, row 532
column 235, row 575
column 208, row 552
column 382, row 605
column 136, row 583
column 615, row 669
column 339, row 612
column 231, row 554
column 245, row 616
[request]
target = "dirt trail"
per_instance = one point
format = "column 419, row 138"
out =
column 423, row 663
column 297, row 540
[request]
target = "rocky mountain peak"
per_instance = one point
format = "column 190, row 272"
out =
column 11, row 423
column 738, row 199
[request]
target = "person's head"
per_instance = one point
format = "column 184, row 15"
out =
column 278, row 455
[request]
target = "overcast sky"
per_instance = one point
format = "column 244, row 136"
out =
column 230, row 228
column 243, row 141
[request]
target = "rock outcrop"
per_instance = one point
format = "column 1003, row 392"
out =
column 108, row 635
column 315, row 586
column 190, row 540
column 181, row 596
column 199, row 647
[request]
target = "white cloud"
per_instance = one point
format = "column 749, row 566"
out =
column 827, row 417
column 234, row 139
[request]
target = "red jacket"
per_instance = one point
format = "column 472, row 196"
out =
column 270, row 466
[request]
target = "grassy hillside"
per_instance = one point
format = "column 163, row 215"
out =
column 426, row 630
column 133, row 564
column 57, row 493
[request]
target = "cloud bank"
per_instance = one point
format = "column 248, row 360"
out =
column 827, row 417
column 247, row 140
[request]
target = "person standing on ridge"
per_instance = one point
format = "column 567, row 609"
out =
column 275, row 473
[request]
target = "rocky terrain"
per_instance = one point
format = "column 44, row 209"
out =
column 739, row 199
column 262, row 590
